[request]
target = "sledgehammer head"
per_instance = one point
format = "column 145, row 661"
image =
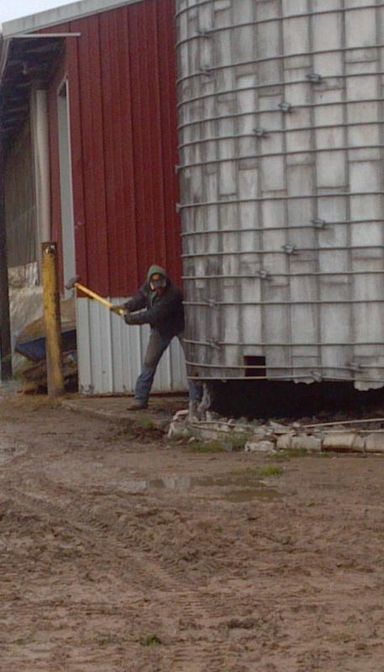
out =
column 72, row 282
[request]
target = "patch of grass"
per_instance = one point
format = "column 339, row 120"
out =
column 247, row 472
column 282, row 456
column 145, row 421
column 207, row 447
column 285, row 455
column 46, row 402
column 238, row 440
column 151, row 640
column 229, row 442
column 298, row 452
column 270, row 471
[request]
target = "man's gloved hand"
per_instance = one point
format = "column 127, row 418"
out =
column 129, row 319
column 119, row 309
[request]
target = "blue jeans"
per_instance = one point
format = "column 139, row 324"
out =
column 156, row 346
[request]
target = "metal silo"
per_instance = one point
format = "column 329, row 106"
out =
column 281, row 148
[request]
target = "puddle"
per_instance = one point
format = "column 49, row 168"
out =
column 241, row 487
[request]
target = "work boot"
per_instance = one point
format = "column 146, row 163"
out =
column 137, row 405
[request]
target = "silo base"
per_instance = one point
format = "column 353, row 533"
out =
column 266, row 399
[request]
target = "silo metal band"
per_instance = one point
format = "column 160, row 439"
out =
column 295, row 106
column 210, row 70
column 273, row 132
column 272, row 19
column 331, row 194
column 222, row 253
column 270, row 229
column 306, row 274
column 256, row 87
column 212, row 303
column 270, row 154
column 285, row 345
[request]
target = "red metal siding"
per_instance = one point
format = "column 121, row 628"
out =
column 122, row 89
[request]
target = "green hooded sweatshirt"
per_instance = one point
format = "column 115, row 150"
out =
column 164, row 313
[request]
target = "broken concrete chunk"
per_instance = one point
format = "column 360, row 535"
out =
column 284, row 441
column 310, row 444
column 177, row 429
column 259, row 447
column 303, row 442
column 374, row 443
column 181, row 415
column 211, row 416
column 277, row 428
column 260, row 434
column 344, row 441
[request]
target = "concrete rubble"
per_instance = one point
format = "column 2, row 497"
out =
column 273, row 437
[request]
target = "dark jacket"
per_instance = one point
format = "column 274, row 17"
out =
column 164, row 313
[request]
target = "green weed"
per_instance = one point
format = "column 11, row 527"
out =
column 207, row 447
column 271, row 470
column 229, row 442
column 151, row 640
column 145, row 422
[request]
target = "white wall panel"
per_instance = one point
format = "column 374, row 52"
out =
column 110, row 353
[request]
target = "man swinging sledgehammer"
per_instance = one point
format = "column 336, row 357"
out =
column 158, row 303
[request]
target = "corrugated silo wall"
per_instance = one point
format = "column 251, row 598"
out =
column 281, row 148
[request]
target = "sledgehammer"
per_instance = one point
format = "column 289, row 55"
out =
column 74, row 283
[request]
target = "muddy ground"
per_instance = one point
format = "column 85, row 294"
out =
column 121, row 552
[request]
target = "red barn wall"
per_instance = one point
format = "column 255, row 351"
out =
column 122, row 91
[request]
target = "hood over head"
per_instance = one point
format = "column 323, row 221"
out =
column 156, row 270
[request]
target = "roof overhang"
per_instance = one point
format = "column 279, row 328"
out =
column 54, row 17
column 28, row 58
column 24, row 63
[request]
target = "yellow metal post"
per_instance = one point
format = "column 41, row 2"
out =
column 52, row 320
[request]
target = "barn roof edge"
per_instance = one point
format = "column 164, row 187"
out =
column 58, row 15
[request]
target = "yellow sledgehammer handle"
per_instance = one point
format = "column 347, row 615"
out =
column 97, row 297
column 93, row 295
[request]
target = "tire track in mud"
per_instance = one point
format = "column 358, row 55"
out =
column 197, row 615
column 92, row 574
column 145, row 572
column 102, row 538
column 183, row 608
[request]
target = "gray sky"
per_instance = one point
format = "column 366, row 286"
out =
column 18, row 8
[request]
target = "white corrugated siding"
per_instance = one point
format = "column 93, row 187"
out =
column 110, row 353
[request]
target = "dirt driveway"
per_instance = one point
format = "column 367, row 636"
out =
column 124, row 553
